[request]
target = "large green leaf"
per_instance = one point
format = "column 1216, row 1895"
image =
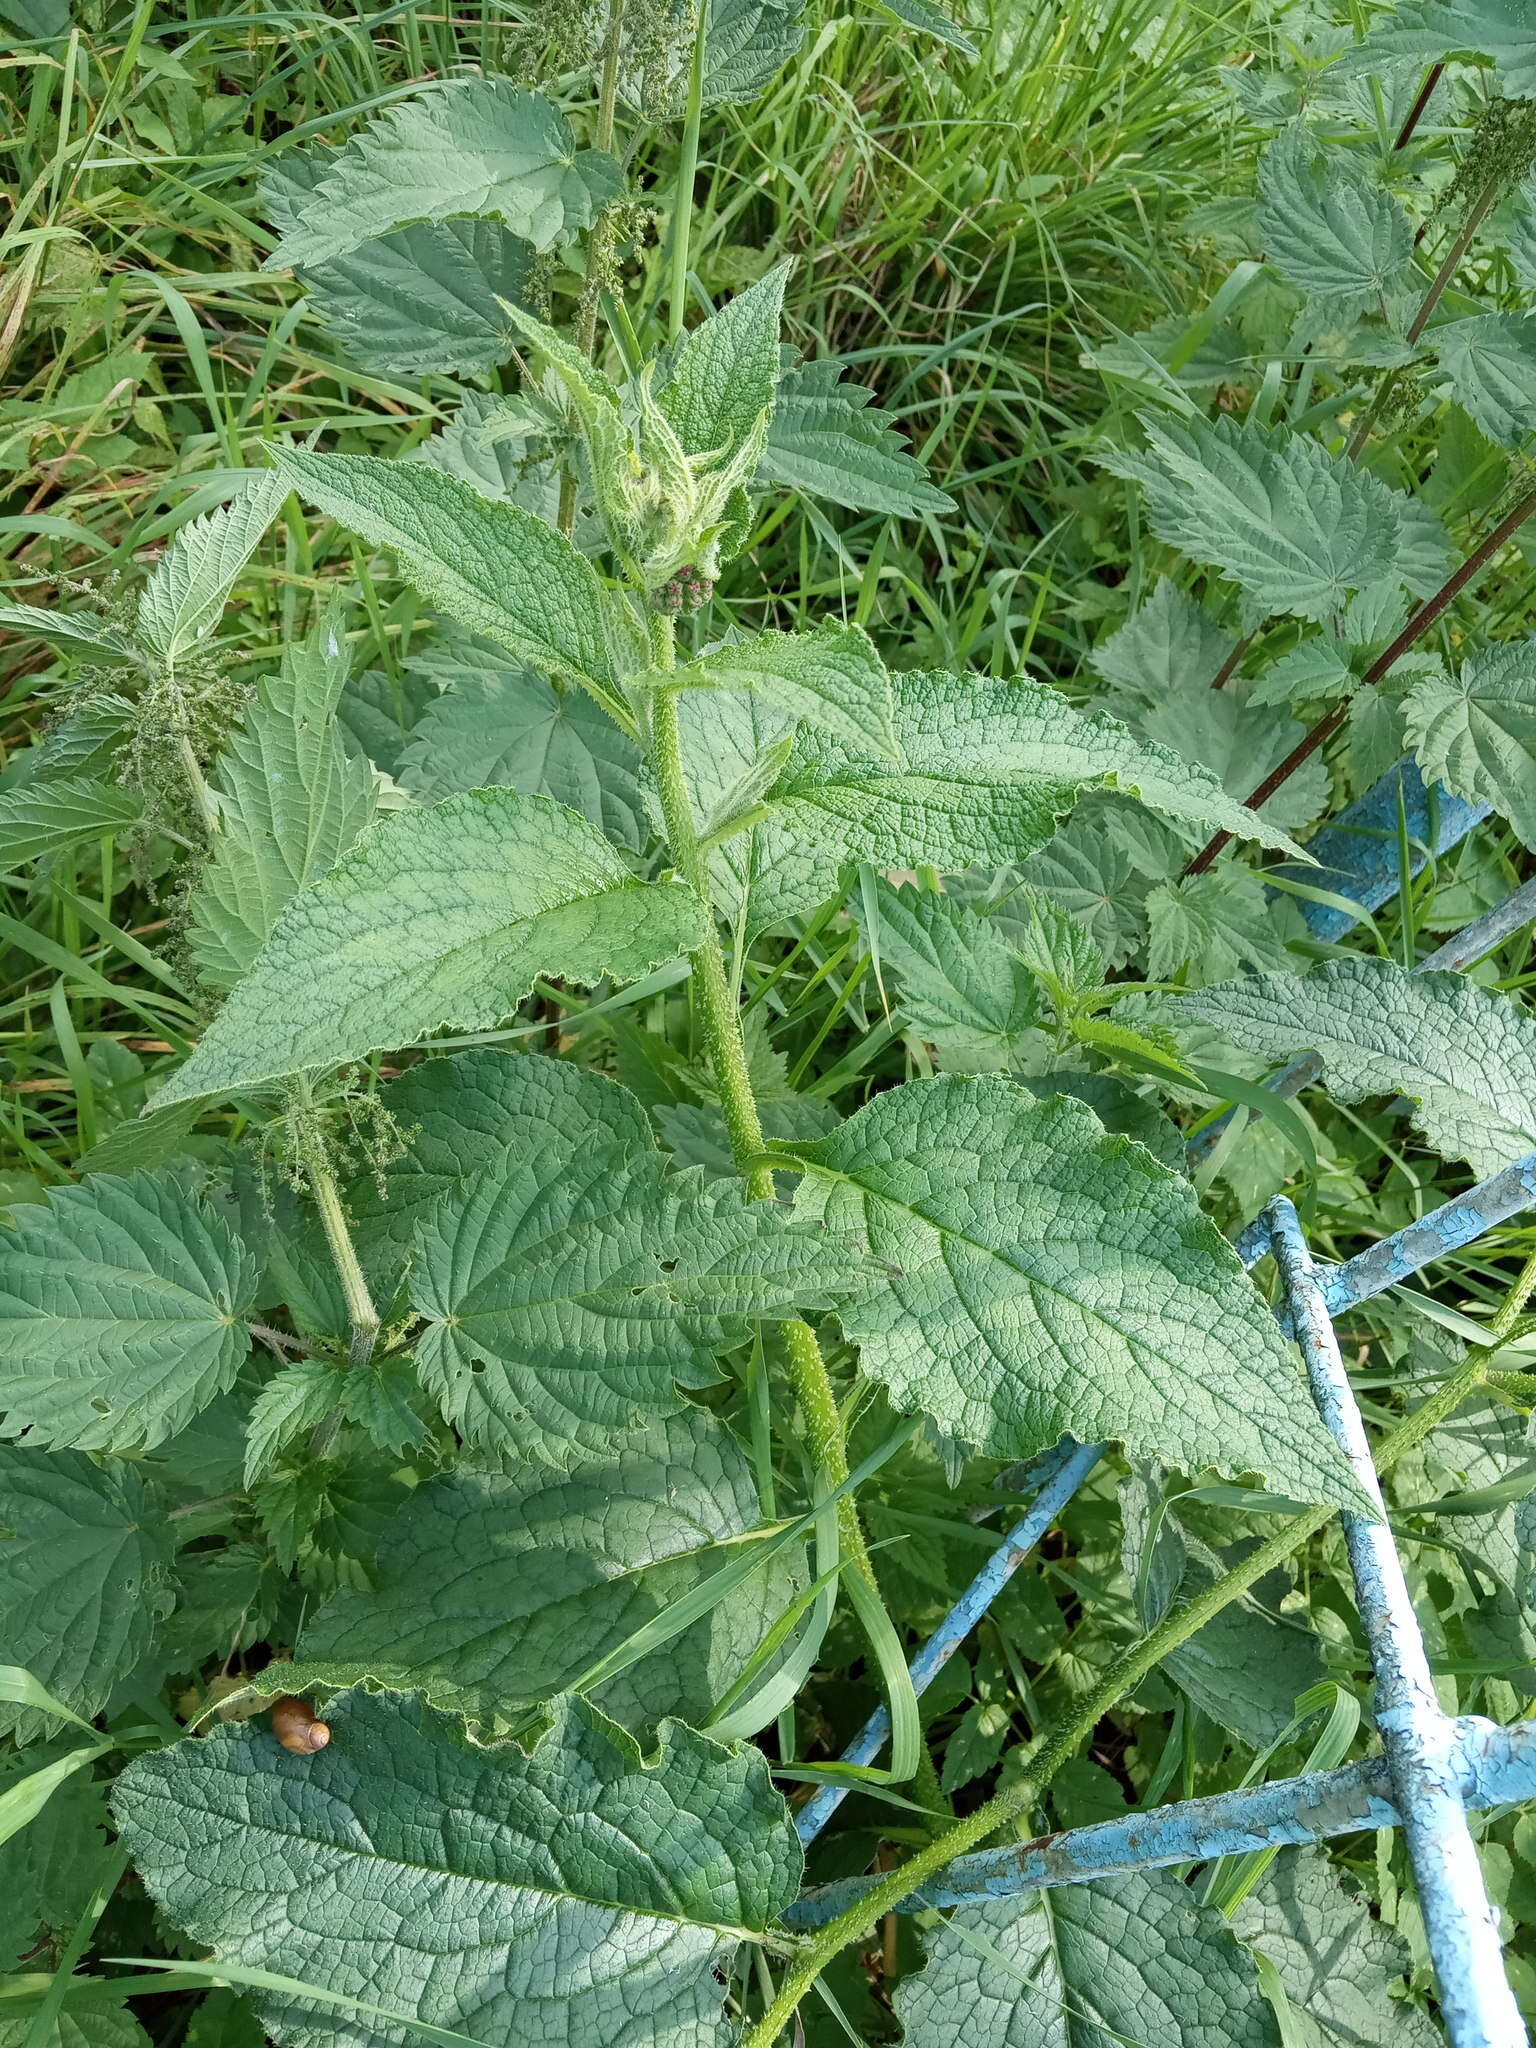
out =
column 120, row 1313
column 497, row 726
column 1240, row 742
column 492, row 1594
column 572, row 1896
column 473, row 145
column 746, row 42
column 1463, row 1055
column 1297, row 527
column 1132, row 1959
column 570, row 1283
column 1045, row 1277
column 1329, row 229
column 1476, row 731
column 1490, row 362
column 984, row 772
column 43, row 816
column 425, row 300
column 726, row 370
column 85, row 1566
column 1428, row 30
column 185, row 596
column 437, row 916
column 827, row 440
column 291, row 801
column 491, row 565
column 831, row 677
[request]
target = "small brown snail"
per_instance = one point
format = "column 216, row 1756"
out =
column 297, row 1726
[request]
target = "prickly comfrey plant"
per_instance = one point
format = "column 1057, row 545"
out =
column 524, row 1435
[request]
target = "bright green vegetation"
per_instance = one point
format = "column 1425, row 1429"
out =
column 657, row 670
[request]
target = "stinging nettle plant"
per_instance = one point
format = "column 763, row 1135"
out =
column 518, row 1347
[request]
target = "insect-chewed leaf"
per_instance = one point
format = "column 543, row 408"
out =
column 570, row 1284
column 120, row 1313
column 726, row 370
column 437, row 916
column 190, row 586
column 1476, row 731
column 425, row 300
column 44, row 816
column 1327, row 228
column 1463, row 1055
column 827, row 440
column 1045, row 1277
column 292, row 799
column 985, row 772
column 1490, row 362
column 832, row 677
column 1431, row 29
column 573, row 1895
column 472, row 146
column 87, row 1571
column 1297, row 527
column 491, row 1594
column 1134, row 1958
column 490, row 565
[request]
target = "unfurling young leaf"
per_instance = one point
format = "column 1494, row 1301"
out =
column 438, row 916
column 724, row 373
column 473, row 1888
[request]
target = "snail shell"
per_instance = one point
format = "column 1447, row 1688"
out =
column 297, row 1726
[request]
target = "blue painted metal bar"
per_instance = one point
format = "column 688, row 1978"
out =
column 1063, row 1472
column 1461, row 1927
column 1492, row 1766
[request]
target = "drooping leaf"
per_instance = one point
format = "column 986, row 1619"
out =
column 574, row 1895
column 1476, row 731
column 85, row 1563
column 1329, row 229
column 1490, row 362
column 437, row 916
column 568, row 1285
column 82, row 633
column 1431, row 29
column 491, row 1594
column 1045, row 1278
column 955, row 979
column 469, row 146
column 425, row 300
column 1295, row 526
column 1463, row 1055
column 1126, row 1959
column 42, row 817
column 291, row 801
column 827, row 440
column 497, row 726
column 190, row 586
column 492, row 566
column 1337, row 1964
column 120, row 1313
column 831, row 676
column 726, row 370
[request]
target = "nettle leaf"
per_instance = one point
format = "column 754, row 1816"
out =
column 1239, row 741
column 1046, row 1278
column 1464, row 1056
column 120, row 1313
column 378, row 712
column 1214, row 924
column 1296, row 527
column 474, row 145
column 827, row 440
column 985, row 771
column 82, row 633
column 1329, row 229
column 746, row 43
column 725, row 371
column 425, row 300
column 1125, row 1959
column 497, row 726
column 492, row 566
column 43, row 817
column 1522, row 233
column 291, row 801
column 832, row 677
column 86, row 1572
column 185, row 596
column 569, row 1285
column 78, row 2025
column 959, row 983
column 437, row 916
column 1167, row 645
column 1476, row 731
column 930, row 21
column 572, row 1895
column 1490, row 362
column 1336, row 1964
column 1431, row 29
column 491, row 1594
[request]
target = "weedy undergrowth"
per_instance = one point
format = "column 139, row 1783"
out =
column 488, row 1344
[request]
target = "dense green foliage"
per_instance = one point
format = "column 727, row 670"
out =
column 667, row 668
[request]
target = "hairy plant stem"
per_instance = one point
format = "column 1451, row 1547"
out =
column 361, row 1313
column 202, row 797
column 687, row 171
column 861, row 1918
column 1420, row 623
